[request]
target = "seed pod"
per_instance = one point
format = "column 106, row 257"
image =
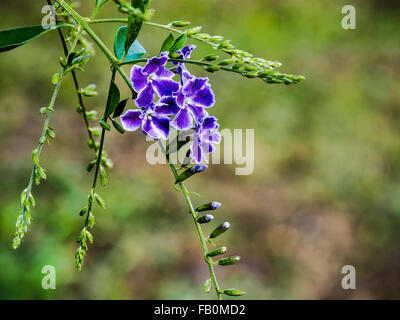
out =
column 213, row 68
column 208, row 206
column 217, row 252
column 211, row 57
column 228, row 261
column 219, row 230
column 180, row 24
column 205, row 219
column 234, row 292
column 191, row 171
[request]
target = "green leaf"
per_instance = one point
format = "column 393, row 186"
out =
column 13, row 38
column 179, row 43
column 120, row 108
column 113, row 100
column 136, row 51
column 134, row 24
column 99, row 3
column 168, row 43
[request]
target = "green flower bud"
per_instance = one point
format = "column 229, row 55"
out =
column 180, row 24
column 103, row 176
column 191, row 171
column 90, row 165
column 238, row 65
column 219, row 230
column 208, row 206
column 175, row 55
column 250, row 75
column 105, row 125
column 193, row 31
column 250, row 68
column 234, row 292
column 205, row 219
column 100, row 201
column 228, row 261
column 83, row 211
column 216, row 38
column 217, row 252
column 207, row 286
column 213, row 68
column 211, row 57
column 117, row 126
column 50, row 133
column 227, row 62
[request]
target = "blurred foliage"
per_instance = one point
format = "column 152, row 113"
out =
column 325, row 191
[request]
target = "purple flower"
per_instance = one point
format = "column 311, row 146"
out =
column 203, row 139
column 151, row 78
column 153, row 123
column 194, row 95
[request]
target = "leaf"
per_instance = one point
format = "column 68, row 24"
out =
column 136, row 51
column 120, row 108
column 113, row 100
column 134, row 24
column 13, row 38
column 168, row 43
column 178, row 44
column 99, row 3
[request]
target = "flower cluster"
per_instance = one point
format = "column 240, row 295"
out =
column 179, row 105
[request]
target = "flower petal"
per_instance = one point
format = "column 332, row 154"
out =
column 138, row 79
column 205, row 97
column 194, row 85
column 167, row 107
column 210, row 123
column 145, row 97
column 198, row 112
column 165, row 87
column 182, row 120
column 154, row 64
column 131, row 120
column 196, row 151
column 156, row 127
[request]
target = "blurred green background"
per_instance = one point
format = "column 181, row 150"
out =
column 325, row 191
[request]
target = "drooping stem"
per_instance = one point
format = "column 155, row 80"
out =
column 89, row 220
column 76, row 83
column 203, row 241
column 37, row 173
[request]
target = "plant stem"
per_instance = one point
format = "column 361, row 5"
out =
column 82, row 22
column 208, row 260
column 24, row 223
column 76, row 83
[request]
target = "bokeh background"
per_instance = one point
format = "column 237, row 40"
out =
column 325, row 191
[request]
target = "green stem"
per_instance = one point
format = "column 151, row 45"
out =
column 76, row 83
column 208, row 260
column 82, row 22
column 23, row 226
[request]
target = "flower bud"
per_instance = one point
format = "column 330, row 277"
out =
column 250, row 68
column 227, row 62
column 250, row 75
column 211, row 57
column 216, row 252
column 220, row 230
column 238, row 65
column 193, row 31
column 208, row 206
column 191, row 171
column 228, row 261
column 205, row 219
column 213, row 68
column 105, row 125
column 234, row 292
column 217, row 38
column 180, row 24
